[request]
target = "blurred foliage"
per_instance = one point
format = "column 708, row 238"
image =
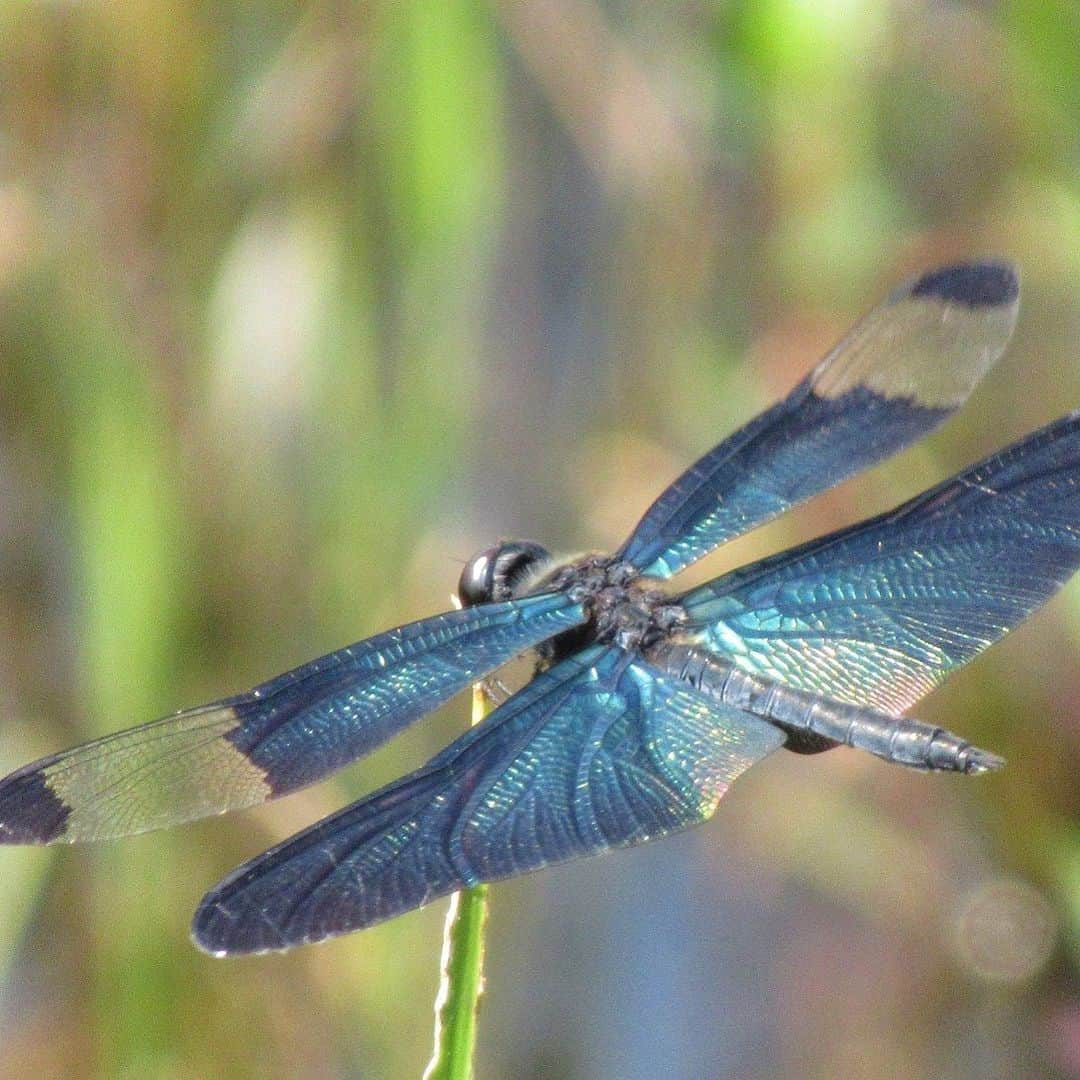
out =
column 299, row 307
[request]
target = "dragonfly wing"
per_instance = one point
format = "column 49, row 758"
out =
column 899, row 373
column 880, row 613
column 600, row 752
column 285, row 734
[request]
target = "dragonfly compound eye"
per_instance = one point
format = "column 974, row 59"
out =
column 496, row 572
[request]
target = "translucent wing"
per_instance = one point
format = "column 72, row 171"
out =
column 286, row 733
column 600, row 752
column 903, row 370
column 880, row 613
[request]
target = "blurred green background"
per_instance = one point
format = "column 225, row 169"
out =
column 299, row 308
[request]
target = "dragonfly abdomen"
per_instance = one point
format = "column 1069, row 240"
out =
column 899, row 739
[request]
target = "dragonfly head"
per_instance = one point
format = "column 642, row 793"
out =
column 497, row 573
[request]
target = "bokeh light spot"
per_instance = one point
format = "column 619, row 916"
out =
column 1004, row 931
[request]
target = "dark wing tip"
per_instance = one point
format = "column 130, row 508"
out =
column 30, row 811
column 205, row 933
column 217, row 932
column 990, row 283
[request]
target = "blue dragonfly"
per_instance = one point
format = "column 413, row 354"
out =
column 646, row 703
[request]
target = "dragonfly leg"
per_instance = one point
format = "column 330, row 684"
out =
column 497, row 690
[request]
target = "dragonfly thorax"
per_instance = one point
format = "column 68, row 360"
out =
column 622, row 607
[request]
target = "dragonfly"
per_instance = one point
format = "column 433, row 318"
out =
column 646, row 703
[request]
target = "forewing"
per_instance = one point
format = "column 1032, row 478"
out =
column 285, row 734
column 600, row 752
column 899, row 373
column 880, row 613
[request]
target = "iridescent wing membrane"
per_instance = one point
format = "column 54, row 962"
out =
column 604, row 749
column 598, row 753
column 882, row 612
column 283, row 735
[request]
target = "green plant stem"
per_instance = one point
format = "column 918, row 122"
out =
column 462, row 982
